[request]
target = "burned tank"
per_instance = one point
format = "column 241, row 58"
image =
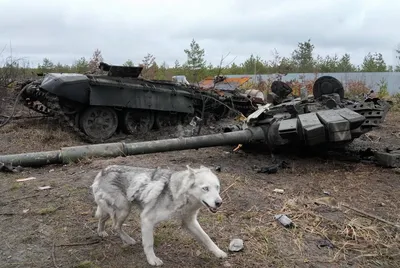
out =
column 96, row 107
column 325, row 117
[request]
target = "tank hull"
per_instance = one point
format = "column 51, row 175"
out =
column 96, row 107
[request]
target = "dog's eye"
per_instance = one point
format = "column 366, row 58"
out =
column 205, row 189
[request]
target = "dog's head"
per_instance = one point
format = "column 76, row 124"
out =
column 205, row 187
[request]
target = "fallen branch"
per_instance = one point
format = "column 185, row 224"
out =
column 371, row 216
column 53, row 255
column 23, row 117
column 18, row 199
column 8, row 214
column 227, row 188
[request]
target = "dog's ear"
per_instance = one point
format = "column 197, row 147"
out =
column 204, row 168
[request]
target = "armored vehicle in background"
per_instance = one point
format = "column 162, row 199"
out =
column 97, row 106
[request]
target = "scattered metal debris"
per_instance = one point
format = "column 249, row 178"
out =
column 388, row 159
column 236, row 245
column 284, row 220
column 327, row 201
column 325, row 243
column 273, row 168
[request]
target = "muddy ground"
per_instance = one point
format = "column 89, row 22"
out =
column 56, row 227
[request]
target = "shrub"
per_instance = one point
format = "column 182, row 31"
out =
column 356, row 89
column 383, row 92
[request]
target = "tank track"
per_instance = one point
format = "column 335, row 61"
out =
column 29, row 98
column 37, row 107
column 51, row 101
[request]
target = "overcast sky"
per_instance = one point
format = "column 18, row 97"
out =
column 129, row 29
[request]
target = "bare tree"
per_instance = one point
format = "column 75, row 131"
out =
column 149, row 66
column 95, row 61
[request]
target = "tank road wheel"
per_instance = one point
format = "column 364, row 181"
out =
column 137, row 121
column 99, row 123
column 167, row 119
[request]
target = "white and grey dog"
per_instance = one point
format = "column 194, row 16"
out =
column 160, row 194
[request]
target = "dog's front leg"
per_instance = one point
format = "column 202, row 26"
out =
column 148, row 241
column 194, row 227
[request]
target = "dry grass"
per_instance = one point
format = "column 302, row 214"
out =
column 37, row 134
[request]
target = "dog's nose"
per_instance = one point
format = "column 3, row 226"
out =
column 218, row 203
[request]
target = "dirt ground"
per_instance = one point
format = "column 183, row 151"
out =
column 56, row 227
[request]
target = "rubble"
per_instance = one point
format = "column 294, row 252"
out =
column 236, row 245
column 388, row 159
column 284, row 220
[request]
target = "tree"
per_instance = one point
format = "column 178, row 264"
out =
column 46, row 66
column 195, row 56
column 327, row 64
column 95, row 61
column 195, row 60
column 81, row 65
column 164, row 72
column 253, row 65
column 275, row 63
column 397, row 67
column 345, row 64
column 303, row 57
column 149, row 66
column 128, row 63
column 235, row 69
column 373, row 63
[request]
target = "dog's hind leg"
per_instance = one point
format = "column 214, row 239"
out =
column 147, row 226
column 103, row 216
column 190, row 223
column 120, row 216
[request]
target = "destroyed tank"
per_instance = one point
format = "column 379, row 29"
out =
column 324, row 118
column 96, row 107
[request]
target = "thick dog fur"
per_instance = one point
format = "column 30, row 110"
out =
column 160, row 195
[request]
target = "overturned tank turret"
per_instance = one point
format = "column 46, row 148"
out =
column 324, row 117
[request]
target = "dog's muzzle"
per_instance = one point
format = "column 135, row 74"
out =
column 213, row 209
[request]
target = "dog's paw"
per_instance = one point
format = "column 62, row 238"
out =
column 221, row 254
column 102, row 234
column 155, row 261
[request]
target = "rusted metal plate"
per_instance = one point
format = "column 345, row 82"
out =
column 228, row 84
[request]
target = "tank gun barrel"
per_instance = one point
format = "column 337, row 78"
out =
column 72, row 154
